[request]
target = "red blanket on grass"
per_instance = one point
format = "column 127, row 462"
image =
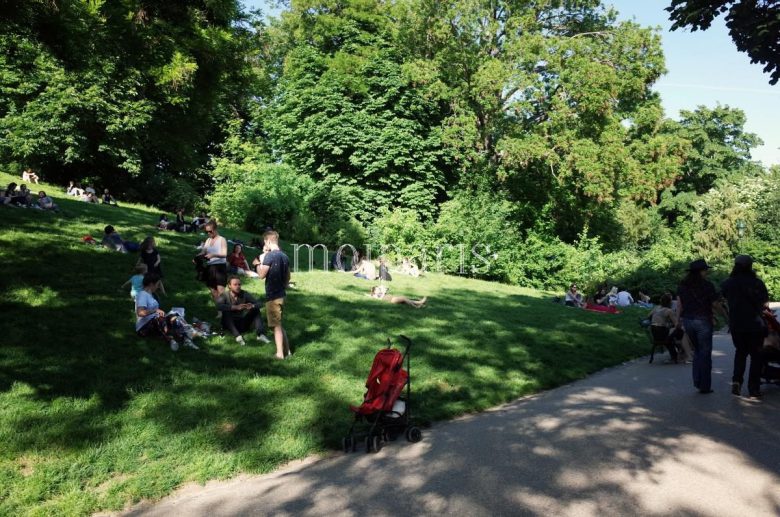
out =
column 601, row 308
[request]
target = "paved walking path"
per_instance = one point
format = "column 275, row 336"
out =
column 633, row 440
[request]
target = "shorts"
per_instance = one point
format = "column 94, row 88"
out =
column 273, row 311
column 216, row 274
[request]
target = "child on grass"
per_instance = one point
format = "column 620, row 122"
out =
column 136, row 281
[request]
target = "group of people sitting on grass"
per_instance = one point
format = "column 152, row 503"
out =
column 180, row 223
column 24, row 198
column 89, row 194
column 605, row 298
column 366, row 269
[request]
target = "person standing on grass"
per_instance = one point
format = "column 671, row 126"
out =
column 240, row 312
column 697, row 298
column 215, row 252
column 275, row 269
column 151, row 258
column 746, row 295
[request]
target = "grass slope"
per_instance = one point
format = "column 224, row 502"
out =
column 92, row 417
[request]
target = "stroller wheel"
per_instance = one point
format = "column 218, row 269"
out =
column 348, row 444
column 373, row 443
column 413, row 434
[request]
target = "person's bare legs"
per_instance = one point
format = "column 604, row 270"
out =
column 282, row 345
column 404, row 300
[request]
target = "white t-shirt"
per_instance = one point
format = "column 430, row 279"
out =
column 146, row 300
column 213, row 247
column 624, row 299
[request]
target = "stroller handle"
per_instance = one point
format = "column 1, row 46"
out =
column 408, row 343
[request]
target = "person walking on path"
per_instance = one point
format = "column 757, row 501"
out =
column 215, row 252
column 240, row 312
column 275, row 269
column 746, row 295
column 697, row 296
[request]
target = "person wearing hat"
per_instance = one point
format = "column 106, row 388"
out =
column 696, row 299
column 746, row 295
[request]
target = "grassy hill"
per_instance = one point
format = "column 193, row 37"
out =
column 93, row 417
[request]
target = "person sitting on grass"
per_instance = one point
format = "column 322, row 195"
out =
column 240, row 312
column 380, row 293
column 89, row 196
column 114, row 241
column 19, row 197
column 366, row 270
column 30, row 176
column 108, row 199
column 237, row 264
column 151, row 258
column 181, row 223
column 74, row 190
column 151, row 321
column 46, row 203
column 573, row 297
column 136, row 281
column 624, row 298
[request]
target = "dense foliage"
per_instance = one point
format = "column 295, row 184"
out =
column 525, row 133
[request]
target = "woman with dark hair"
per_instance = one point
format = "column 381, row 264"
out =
column 746, row 295
column 151, row 257
column 152, row 321
column 697, row 295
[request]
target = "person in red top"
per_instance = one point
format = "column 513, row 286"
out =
column 237, row 263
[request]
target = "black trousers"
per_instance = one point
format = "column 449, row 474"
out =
column 237, row 323
column 748, row 344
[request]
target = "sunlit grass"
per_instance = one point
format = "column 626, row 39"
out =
column 92, row 417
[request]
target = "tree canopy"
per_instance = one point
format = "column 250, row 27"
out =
column 754, row 25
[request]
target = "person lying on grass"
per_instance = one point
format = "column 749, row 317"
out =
column 151, row 321
column 380, row 293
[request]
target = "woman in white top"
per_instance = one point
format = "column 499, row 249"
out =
column 215, row 250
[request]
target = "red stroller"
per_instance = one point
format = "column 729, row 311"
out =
column 384, row 411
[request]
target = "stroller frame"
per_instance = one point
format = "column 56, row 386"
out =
column 381, row 426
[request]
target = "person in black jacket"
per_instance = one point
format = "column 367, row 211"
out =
column 746, row 295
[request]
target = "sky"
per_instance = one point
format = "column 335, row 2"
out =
column 704, row 68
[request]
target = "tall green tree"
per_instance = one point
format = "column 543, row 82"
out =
column 126, row 91
column 347, row 111
column 550, row 100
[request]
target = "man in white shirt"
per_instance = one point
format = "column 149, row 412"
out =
column 624, row 299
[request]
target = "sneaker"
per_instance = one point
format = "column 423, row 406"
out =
column 189, row 344
column 174, row 346
column 736, row 388
column 755, row 395
column 263, row 339
column 240, row 341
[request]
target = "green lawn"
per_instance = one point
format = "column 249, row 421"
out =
column 93, row 417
